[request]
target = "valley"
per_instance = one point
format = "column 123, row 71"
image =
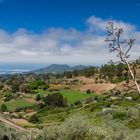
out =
column 33, row 101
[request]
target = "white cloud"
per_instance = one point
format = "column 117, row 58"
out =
column 99, row 24
column 58, row 45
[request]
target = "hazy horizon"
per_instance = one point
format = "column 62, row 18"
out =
column 31, row 66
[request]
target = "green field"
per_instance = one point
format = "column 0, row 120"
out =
column 71, row 95
column 13, row 104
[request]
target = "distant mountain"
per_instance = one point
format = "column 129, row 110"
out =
column 56, row 68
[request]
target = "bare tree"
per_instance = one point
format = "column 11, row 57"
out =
column 121, row 46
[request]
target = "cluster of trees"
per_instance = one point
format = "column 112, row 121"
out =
column 115, row 73
column 11, row 86
column 23, row 83
column 55, row 99
column 110, row 72
column 29, row 83
column 88, row 72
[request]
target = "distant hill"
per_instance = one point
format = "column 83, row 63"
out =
column 56, row 68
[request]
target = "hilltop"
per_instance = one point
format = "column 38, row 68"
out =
column 58, row 68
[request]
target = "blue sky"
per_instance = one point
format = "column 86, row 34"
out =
column 63, row 31
column 38, row 15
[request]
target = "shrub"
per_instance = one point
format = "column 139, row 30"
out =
column 135, row 95
column 4, row 108
column 134, row 124
column 33, row 118
column 8, row 96
column 71, row 129
column 117, row 92
column 1, row 86
column 88, row 91
column 77, row 127
column 33, row 92
column 54, row 90
column 44, row 87
column 77, row 103
column 13, row 134
column 24, row 88
column 55, row 99
column 120, row 115
column 36, row 84
column 23, row 108
column 38, row 97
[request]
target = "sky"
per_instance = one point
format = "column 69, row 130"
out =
column 42, row 32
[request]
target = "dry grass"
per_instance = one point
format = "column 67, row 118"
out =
column 59, row 86
column 98, row 87
column 20, row 122
column 86, row 80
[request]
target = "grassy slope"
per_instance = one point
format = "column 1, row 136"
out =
column 94, row 111
column 71, row 95
column 13, row 104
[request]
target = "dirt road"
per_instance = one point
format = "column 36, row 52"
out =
column 10, row 123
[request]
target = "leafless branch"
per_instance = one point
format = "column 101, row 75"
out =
column 122, row 47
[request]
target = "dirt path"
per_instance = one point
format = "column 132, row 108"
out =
column 10, row 123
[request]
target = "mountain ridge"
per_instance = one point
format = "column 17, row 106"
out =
column 59, row 68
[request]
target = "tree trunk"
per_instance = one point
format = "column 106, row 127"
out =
column 132, row 75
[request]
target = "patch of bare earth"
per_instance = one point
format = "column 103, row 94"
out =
column 31, row 100
column 86, row 80
column 98, row 87
column 20, row 122
column 11, row 123
column 123, row 86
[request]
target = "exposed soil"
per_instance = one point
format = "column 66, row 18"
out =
column 98, row 87
column 12, row 124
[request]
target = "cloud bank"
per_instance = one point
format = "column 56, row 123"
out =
column 58, row 45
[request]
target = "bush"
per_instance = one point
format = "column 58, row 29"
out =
column 54, row 90
column 44, row 87
column 55, row 99
column 77, row 103
column 33, row 92
column 23, row 108
column 88, row 91
column 71, row 129
column 1, row 86
column 4, row 108
column 135, row 95
column 35, row 85
column 78, row 127
column 8, row 96
column 38, row 97
column 15, row 134
column 134, row 124
column 33, row 118
column 117, row 93
column 24, row 88
column 120, row 115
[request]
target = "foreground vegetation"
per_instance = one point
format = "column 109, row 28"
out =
column 53, row 106
column 102, row 121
